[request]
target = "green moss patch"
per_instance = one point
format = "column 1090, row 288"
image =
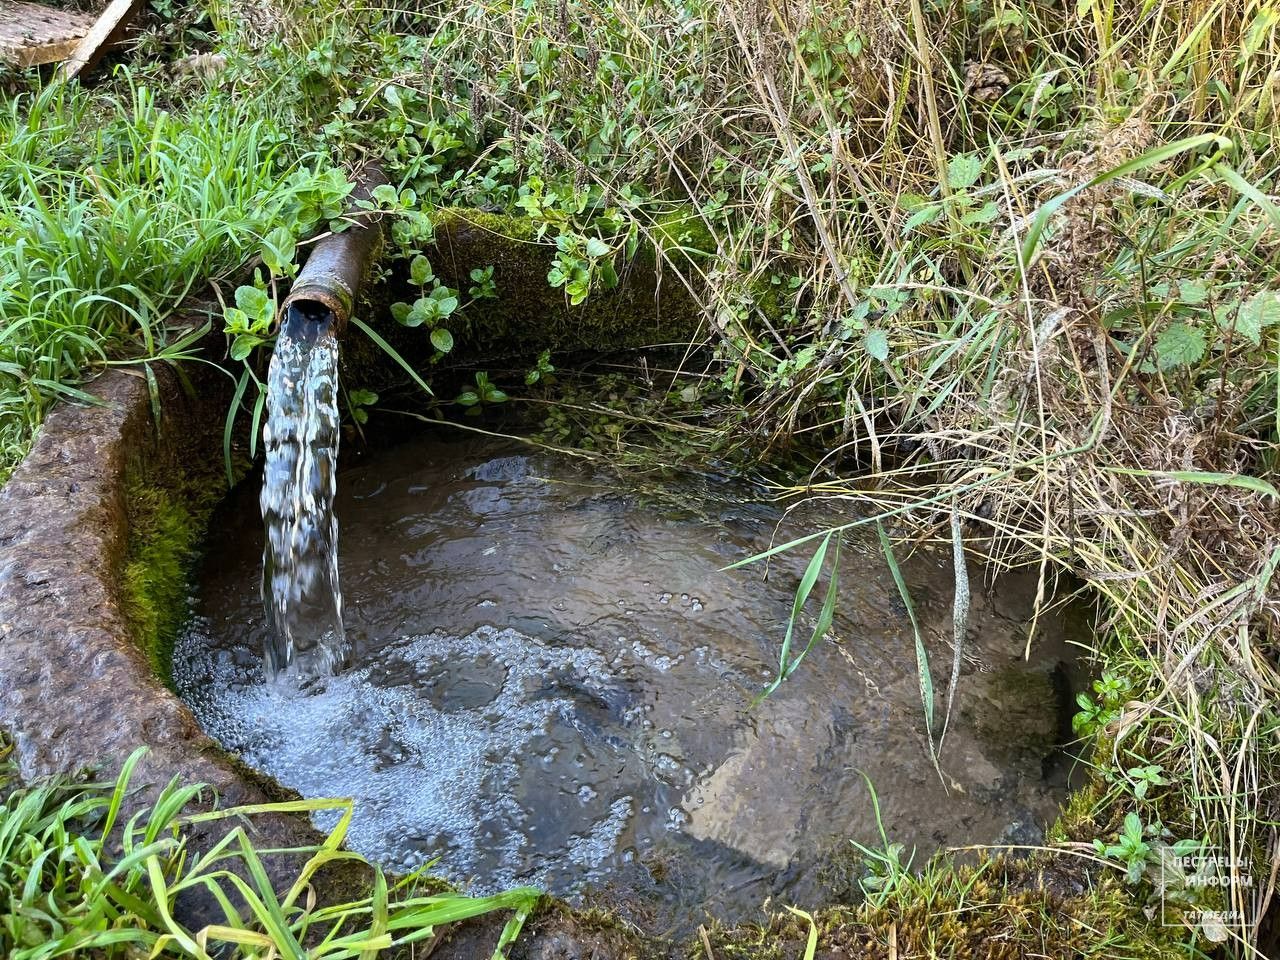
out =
column 164, row 536
column 999, row 909
column 168, row 510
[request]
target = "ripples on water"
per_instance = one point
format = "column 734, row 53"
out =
column 551, row 675
column 300, row 587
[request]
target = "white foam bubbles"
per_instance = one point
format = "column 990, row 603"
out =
column 444, row 744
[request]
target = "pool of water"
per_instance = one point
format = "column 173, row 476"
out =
column 551, row 676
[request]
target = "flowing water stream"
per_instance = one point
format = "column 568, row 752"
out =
column 300, row 587
column 550, row 680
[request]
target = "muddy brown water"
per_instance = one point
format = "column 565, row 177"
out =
column 551, row 680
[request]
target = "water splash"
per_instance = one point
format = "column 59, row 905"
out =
column 300, row 588
column 469, row 749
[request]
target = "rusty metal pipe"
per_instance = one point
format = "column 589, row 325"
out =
column 329, row 283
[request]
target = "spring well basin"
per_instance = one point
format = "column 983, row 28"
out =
column 552, row 676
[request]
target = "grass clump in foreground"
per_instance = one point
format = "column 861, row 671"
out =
column 80, row 879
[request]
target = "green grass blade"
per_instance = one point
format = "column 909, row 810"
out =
column 121, row 788
column 229, row 426
column 1208, row 477
column 160, row 893
column 1150, row 158
column 810, row 577
column 512, row 930
column 378, row 927
column 922, row 655
column 391, row 352
column 811, row 943
column 959, row 616
column 787, row 665
column 449, row 908
column 1248, row 191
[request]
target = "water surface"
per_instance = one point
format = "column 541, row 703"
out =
column 551, row 675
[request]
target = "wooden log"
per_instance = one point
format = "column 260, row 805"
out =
column 106, row 30
column 32, row 34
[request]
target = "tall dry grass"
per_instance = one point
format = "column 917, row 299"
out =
column 1011, row 264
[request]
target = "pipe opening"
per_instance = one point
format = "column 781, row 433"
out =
column 306, row 320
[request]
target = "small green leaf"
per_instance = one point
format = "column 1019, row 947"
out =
column 926, row 214
column 445, row 301
column 420, row 271
column 468, row 398
column 1133, row 826
column 442, row 339
column 597, row 247
column 401, row 311
column 254, row 302
column 1258, row 312
column 278, row 250
column 877, row 344
column 963, row 171
column 1193, row 293
column 483, row 287
column 421, row 312
column 243, row 345
column 983, row 215
column 1179, row 346
column 385, row 195
column 236, row 320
